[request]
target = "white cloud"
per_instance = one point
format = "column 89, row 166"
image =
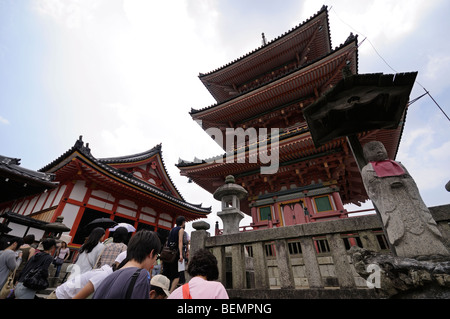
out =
column 383, row 22
column 442, row 152
column 71, row 13
column 418, row 139
column 436, row 69
column 426, row 158
column 3, row 121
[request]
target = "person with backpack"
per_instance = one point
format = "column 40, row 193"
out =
column 175, row 242
column 132, row 281
column 35, row 273
column 9, row 259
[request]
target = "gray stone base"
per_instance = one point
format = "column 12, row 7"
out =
column 304, row 294
column 426, row 277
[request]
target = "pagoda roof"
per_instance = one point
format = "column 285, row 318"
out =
column 109, row 173
column 312, row 35
column 17, row 181
column 306, row 81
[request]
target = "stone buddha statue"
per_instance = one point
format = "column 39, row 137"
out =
column 408, row 223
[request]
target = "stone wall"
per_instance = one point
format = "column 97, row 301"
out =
column 302, row 260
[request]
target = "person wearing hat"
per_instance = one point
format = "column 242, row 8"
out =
column 159, row 287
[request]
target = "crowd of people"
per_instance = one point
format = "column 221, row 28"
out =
column 119, row 267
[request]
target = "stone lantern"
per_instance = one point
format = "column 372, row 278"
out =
column 230, row 195
column 56, row 229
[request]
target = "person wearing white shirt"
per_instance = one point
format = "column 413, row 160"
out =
column 86, row 282
column 89, row 252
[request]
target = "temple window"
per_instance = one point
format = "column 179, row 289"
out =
column 323, row 204
column 265, row 213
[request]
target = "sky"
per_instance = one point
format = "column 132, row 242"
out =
column 124, row 75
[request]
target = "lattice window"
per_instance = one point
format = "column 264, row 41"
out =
column 294, row 248
column 322, row 246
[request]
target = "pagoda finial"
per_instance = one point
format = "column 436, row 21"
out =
column 229, row 179
column 264, row 41
column 79, row 143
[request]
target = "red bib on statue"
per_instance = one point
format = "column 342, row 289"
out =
column 387, row 168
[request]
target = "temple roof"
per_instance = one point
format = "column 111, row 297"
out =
column 132, row 158
column 308, row 41
column 298, row 83
column 152, row 155
column 110, row 173
column 17, row 181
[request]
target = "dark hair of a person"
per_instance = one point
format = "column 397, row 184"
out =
column 13, row 240
column 120, row 235
column 203, row 263
column 180, row 219
column 142, row 244
column 29, row 239
column 93, row 239
column 48, row 243
column 158, row 290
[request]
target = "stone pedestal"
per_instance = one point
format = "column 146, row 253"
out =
column 231, row 218
column 199, row 236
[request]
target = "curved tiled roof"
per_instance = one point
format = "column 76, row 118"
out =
column 322, row 10
column 17, row 181
column 132, row 158
column 308, row 41
column 352, row 38
column 103, row 164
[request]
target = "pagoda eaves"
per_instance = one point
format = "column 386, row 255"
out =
column 283, row 98
column 302, row 44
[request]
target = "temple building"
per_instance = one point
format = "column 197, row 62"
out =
column 134, row 189
column 270, row 88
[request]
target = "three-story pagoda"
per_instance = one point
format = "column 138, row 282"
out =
column 270, row 88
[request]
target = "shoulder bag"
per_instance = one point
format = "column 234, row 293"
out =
column 186, row 292
column 132, row 283
column 35, row 279
column 168, row 254
column 8, row 286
